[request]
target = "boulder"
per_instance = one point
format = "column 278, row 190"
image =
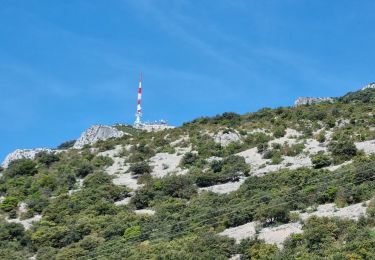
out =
column 226, row 138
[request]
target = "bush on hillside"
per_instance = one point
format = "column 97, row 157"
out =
column 343, row 149
column 140, row 168
column 21, row 167
column 321, row 160
column 279, row 132
column 189, row 159
column 9, row 203
column 66, row 145
column 46, row 158
column 84, row 169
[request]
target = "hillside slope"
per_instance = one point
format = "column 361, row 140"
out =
column 291, row 183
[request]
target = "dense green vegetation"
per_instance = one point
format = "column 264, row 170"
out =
column 83, row 222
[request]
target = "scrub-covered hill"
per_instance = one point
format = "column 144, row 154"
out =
column 291, row 183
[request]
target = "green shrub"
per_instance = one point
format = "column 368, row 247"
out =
column 47, row 158
column 321, row 137
column 293, row 150
column 179, row 186
column 189, row 159
column 279, row 132
column 84, row 169
column 140, row 168
column 9, row 203
column 66, row 145
column 342, row 149
column 321, row 160
column 262, row 147
column 132, row 233
column 21, row 167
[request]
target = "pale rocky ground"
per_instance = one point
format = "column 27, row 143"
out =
column 353, row 212
column 367, row 146
column 145, row 212
column 247, row 230
column 125, row 201
column 260, row 166
column 235, row 257
column 79, row 187
column 27, row 223
column 224, row 139
column 118, row 169
column 277, row 235
column 23, row 154
column 164, row 163
column 224, row 188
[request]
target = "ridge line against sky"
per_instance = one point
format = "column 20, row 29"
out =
column 67, row 65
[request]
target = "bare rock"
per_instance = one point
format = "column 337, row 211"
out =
column 226, row 138
column 311, row 100
column 371, row 85
column 23, row 154
column 96, row 133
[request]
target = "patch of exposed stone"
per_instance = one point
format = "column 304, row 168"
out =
column 277, row 235
column 367, row 146
column 26, row 223
column 79, row 187
column 125, row 201
column 144, row 212
column 239, row 233
column 119, row 169
column 369, row 86
column 353, row 212
column 23, row 154
column 96, row 133
column 311, row 100
column 224, row 188
column 225, row 138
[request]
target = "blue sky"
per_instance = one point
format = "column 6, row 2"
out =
column 65, row 65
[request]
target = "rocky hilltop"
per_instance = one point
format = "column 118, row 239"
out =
column 23, row 154
column 284, row 183
column 311, row 100
column 96, row 133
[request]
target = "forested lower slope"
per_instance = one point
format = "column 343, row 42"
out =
column 285, row 183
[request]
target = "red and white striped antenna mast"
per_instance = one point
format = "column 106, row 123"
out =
column 138, row 115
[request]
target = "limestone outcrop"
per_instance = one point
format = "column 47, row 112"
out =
column 311, row 100
column 96, row 133
column 23, row 154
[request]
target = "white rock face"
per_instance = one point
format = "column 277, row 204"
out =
column 367, row 146
column 125, row 201
column 23, row 154
column 118, row 169
column 224, row 188
column 277, row 235
column 310, row 100
column 96, row 133
column 144, row 212
column 371, row 85
column 226, row 138
column 241, row 232
column 353, row 212
column 27, row 223
column 164, row 163
column 153, row 127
